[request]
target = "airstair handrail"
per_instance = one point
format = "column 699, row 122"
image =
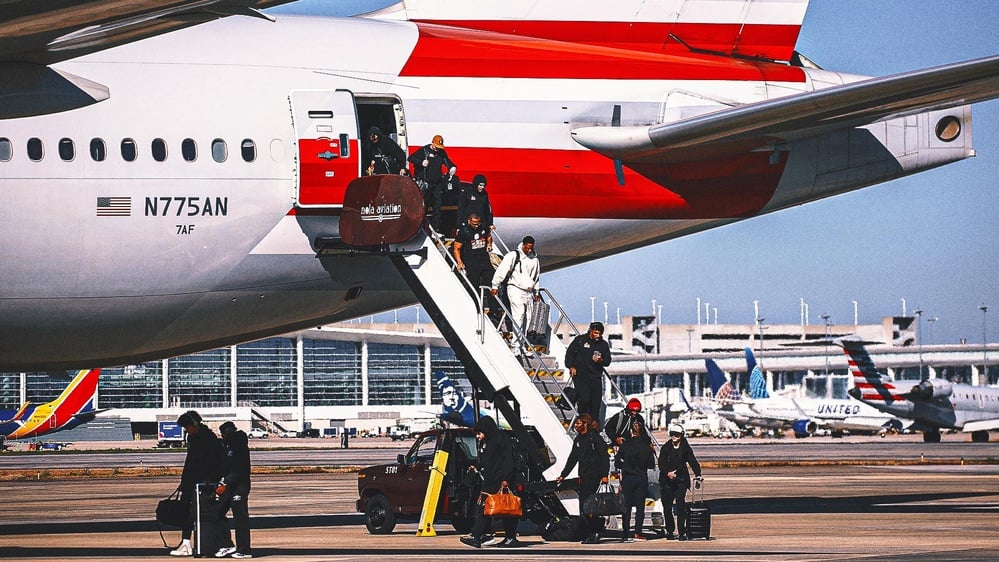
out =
column 574, row 332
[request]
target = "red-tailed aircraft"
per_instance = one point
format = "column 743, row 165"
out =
column 168, row 168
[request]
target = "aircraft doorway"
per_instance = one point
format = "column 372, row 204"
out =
column 331, row 128
column 328, row 148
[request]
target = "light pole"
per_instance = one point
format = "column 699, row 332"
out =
column 593, row 312
column 619, row 315
column 698, row 311
column 605, row 313
column 759, row 325
column 690, row 332
column 985, row 352
column 855, row 319
column 825, row 318
column 919, row 339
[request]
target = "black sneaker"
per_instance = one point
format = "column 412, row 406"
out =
column 670, row 536
column 683, row 537
column 510, row 542
column 472, row 541
column 592, row 539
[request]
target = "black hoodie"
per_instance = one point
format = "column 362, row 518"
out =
column 496, row 462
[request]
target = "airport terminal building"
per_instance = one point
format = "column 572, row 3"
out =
column 368, row 376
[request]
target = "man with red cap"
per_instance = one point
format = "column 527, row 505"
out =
column 618, row 427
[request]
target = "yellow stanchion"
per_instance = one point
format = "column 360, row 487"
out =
column 437, row 472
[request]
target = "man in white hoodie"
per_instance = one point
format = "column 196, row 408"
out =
column 519, row 273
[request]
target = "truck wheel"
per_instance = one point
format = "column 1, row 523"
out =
column 461, row 523
column 378, row 516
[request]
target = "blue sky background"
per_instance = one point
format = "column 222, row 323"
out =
column 931, row 239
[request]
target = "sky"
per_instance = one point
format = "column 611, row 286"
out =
column 931, row 239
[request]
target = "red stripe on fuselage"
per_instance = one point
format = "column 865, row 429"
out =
column 452, row 52
column 767, row 41
column 582, row 184
column 527, row 182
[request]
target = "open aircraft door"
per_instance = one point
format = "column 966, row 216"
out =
column 328, row 146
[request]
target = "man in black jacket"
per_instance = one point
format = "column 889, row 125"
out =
column 634, row 459
column 381, row 155
column 590, row 451
column 586, row 358
column 202, row 464
column 496, row 466
column 674, row 456
column 475, row 200
column 430, row 163
column 618, row 427
column 234, row 492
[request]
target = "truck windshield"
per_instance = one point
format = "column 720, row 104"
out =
column 423, row 450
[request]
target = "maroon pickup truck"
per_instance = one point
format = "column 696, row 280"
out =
column 388, row 491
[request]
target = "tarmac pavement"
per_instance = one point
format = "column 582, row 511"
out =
column 824, row 512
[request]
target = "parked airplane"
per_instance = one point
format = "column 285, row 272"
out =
column 74, row 406
column 170, row 173
column 932, row 403
column 804, row 416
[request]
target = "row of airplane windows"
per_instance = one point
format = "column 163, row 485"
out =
column 35, row 149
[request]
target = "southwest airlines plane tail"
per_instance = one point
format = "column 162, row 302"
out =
column 73, row 407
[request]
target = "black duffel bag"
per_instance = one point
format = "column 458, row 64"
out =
column 604, row 502
column 173, row 511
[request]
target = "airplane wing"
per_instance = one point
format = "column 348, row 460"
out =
column 48, row 32
column 797, row 116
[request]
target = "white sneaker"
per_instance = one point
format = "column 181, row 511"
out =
column 225, row 551
column 183, row 550
column 493, row 541
column 241, row 555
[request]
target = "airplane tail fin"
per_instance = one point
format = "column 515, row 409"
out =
column 868, row 384
column 750, row 28
column 721, row 388
column 757, row 382
column 79, row 396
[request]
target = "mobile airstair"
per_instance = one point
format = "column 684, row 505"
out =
column 506, row 368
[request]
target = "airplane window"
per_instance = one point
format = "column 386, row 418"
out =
column 249, row 150
column 219, row 150
column 35, row 151
column 98, row 151
column 67, row 151
column 189, row 150
column 6, row 150
column 128, row 150
column 159, row 150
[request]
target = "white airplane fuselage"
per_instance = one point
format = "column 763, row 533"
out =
column 213, row 252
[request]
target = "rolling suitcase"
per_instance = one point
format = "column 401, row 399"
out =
column 698, row 514
column 211, row 527
column 537, row 326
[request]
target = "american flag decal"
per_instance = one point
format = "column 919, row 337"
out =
column 114, row 206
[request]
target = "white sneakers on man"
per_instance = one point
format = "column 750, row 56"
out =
column 225, row 551
column 183, row 550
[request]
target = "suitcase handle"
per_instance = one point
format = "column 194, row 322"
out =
column 697, row 492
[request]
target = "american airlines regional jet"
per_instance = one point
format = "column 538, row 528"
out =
column 170, row 170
